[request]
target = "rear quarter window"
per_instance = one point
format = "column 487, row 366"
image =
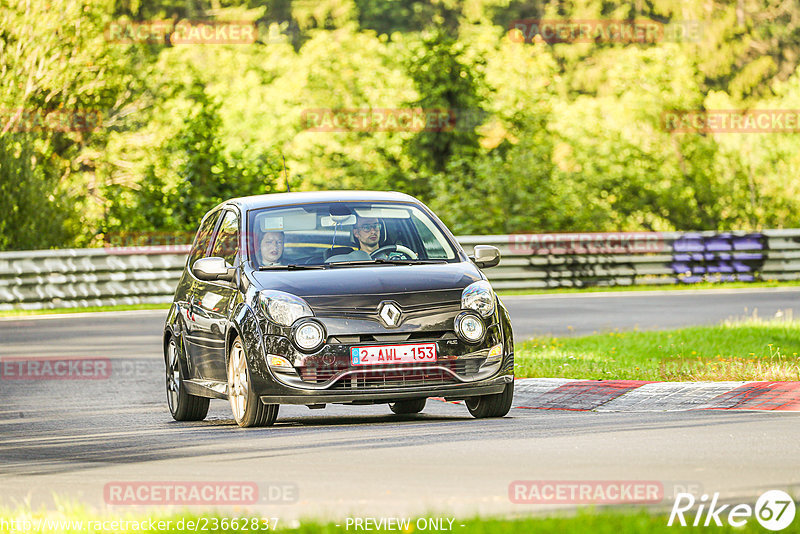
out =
column 203, row 238
column 226, row 244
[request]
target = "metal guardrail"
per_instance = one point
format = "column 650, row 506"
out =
column 131, row 275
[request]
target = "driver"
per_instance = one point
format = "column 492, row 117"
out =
column 367, row 234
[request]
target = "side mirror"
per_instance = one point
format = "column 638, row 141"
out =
column 486, row 256
column 212, row 270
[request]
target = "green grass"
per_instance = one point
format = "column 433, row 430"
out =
column 122, row 307
column 673, row 287
column 752, row 349
column 584, row 521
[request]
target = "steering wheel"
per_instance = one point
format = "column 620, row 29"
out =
column 385, row 250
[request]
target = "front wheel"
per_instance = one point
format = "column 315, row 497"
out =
column 491, row 405
column 404, row 407
column 248, row 410
column 182, row 406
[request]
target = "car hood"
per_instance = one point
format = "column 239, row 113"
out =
column 406, row 284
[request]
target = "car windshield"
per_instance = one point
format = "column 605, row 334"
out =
column 345, row 234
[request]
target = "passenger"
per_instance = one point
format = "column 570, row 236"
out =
column 271, row 248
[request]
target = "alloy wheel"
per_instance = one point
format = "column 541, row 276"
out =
column 173, row 376
column 238, row 384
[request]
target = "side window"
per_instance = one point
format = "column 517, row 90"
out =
column 227, row 243
column 203, row 238
column 432, row 245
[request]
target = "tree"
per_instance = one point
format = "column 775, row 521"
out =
column 60, row 84
column 205, row 174
column 446, row 82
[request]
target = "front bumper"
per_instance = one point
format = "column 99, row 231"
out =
column 382, row 396
column 325, row 376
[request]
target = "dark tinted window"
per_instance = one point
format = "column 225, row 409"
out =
column 203, row 238
column 226, row 244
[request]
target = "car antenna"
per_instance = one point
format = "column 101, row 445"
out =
column 286, row 175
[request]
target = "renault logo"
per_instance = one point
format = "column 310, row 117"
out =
column 389, row 314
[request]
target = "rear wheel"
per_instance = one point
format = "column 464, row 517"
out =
column 182, row 406
column 491, row 405
column 248, row 410
column 408, row 406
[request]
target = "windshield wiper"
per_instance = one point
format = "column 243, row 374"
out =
column 290, row 267
column 385, row 261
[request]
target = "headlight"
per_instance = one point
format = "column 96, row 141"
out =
column 470, row 327
column 479, row 296
column 308, row 335
column 283, row 308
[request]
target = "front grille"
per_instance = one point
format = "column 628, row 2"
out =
column 317, row 375
column 409, row 301
column 426, row 336
column 397, row 376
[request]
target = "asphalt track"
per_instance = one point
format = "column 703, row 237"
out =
column 72, row 438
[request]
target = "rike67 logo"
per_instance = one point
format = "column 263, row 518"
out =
column 774, row 510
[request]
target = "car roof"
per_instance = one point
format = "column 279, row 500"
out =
column 288, row 199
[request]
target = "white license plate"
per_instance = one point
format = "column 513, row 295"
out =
column 389, row 354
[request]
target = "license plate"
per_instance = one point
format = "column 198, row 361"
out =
column 389, row 354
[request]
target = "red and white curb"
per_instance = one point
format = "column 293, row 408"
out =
column 644, row 396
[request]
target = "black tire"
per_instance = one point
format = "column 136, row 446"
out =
column 247, row 408
column 182, row 405
column 409, row 406
column 491, row 405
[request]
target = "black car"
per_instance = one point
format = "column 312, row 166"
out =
column 334, row 297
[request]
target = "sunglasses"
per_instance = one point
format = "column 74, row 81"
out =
column 369, row 227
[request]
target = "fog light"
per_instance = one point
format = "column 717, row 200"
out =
column 309, row 335
column 470, row 327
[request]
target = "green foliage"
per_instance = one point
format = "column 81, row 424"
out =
column 36, row 216
column 57, row 72
column 444, row 81
column 448, row 84
column 205, row 176
column 568, row 137
column 390, row 16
